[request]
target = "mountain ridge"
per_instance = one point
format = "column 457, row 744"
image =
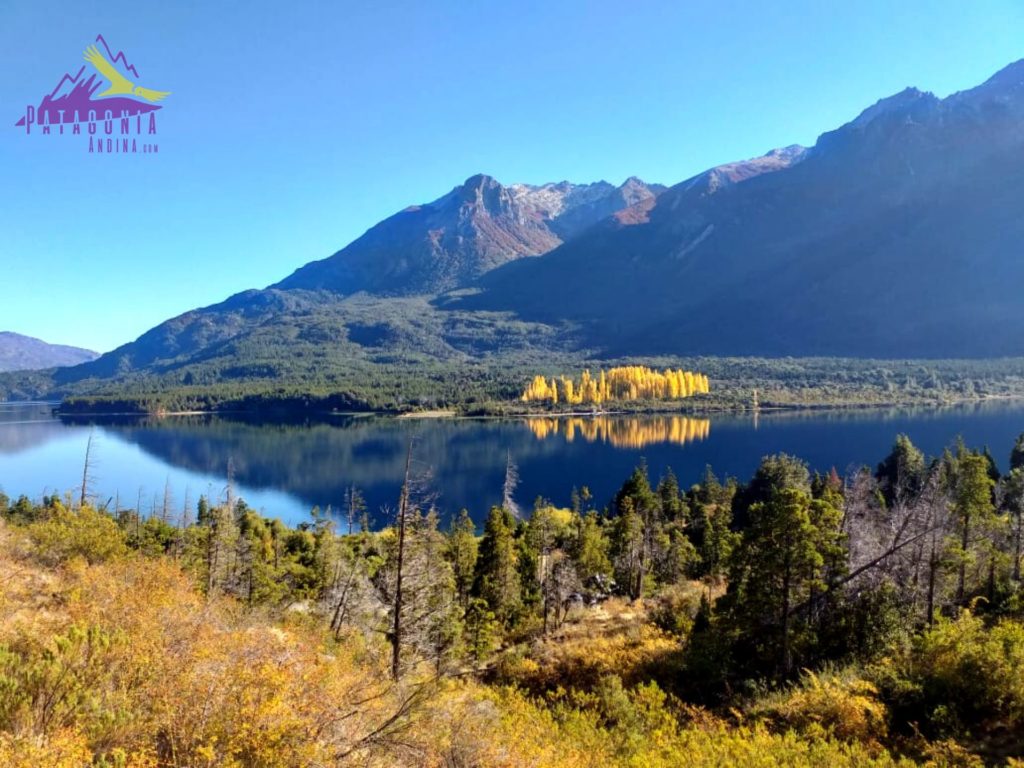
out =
column 451, row 241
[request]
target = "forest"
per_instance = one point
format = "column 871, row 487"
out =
column 793, row 619
column 494, row 386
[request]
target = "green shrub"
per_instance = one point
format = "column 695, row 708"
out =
column 962, row 678
column 84, row 532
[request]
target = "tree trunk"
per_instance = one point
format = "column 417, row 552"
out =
column 1016, row 546
column 962, row 575
column 787, row 659
column 932, row 567
column 211, row 558
column 396, row 630
column 85, row 472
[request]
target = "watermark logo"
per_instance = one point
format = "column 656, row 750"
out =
column 119, row 118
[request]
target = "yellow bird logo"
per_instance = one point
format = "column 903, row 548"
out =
column 119, row 84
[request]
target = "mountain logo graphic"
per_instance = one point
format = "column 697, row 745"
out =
column 106, row 97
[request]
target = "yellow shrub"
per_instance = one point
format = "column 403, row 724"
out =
column 840, row 703
column 62, row 749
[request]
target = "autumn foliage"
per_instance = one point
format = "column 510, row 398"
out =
column 792, row 620
column 623, row 433
column 630, row 382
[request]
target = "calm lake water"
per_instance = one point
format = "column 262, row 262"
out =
column 284, row 469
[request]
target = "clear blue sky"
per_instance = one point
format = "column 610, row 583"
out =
column 294, row 126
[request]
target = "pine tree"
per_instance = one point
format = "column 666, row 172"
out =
column 1017, row 454
column 496, row 580
column 673, row 506
column 462, row 554
column 590, row 550
column 972, row 509
column 637, row 530
column 782, row 562
column 901, row 473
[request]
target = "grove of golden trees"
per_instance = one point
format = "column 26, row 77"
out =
column 629, row 382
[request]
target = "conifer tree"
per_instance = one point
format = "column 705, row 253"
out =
column 496, row 580
column 462, row 554
column 590, row 550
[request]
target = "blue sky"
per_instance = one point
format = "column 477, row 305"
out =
column 293, row 127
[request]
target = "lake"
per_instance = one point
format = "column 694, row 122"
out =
column 286, row 468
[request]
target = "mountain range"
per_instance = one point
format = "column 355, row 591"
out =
column 896, row 235
column 24, row 353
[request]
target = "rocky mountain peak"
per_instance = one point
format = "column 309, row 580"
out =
column 477, row 226
column 898, row 102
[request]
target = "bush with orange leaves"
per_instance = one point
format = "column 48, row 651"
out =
column 132, row 666
column 123, row 664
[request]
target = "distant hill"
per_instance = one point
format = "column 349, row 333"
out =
column 24, row 353
column 897, row 235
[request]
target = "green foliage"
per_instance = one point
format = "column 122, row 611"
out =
column 902, row 472
column 1017, row 454
column 788, row 555
column 462, row 554
column 973, row 511
column 64, row 534
column 961, row 678
column 481, row 367
column 590, row 549
column 482, row 629
column 497, row 579
column 774, row 602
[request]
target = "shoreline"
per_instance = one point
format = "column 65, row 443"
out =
column 454, row 413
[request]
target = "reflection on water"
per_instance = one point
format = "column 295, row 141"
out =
column 285, row 468
column 624, row 431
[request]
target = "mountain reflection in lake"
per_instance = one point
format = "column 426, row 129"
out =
column 285, row 469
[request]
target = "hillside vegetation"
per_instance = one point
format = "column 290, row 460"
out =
column 789, row 620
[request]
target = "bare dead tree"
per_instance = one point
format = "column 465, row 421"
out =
column 560, row 583
column 403, row 511
column 186, row 510
column 229, row 488
column 87, row 469
column 418, row 586
column 138, row 514
column 893, row 544
column 350, row 585
column 509, row 488
column 355, row 506
column 183, row 523
column 165, row 509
